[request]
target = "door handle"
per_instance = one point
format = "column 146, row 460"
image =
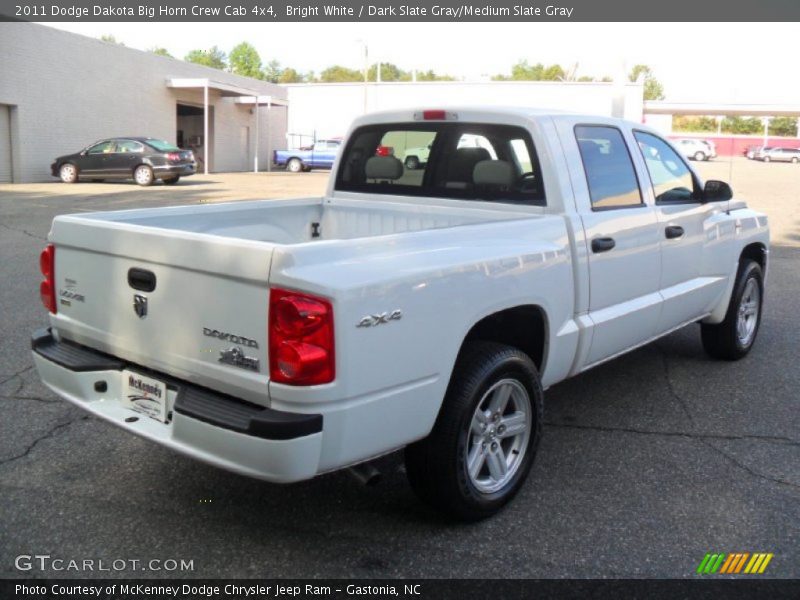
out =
column 673, row 232
column 603, row 244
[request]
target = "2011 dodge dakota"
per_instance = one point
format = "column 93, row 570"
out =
column 424, row 309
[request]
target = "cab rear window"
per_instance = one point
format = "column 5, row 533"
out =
column 467, row 161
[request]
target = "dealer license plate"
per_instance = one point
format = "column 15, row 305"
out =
column 145, row 395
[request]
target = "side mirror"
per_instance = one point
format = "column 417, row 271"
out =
column 717, row 191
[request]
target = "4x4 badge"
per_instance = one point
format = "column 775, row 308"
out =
column 140, row 305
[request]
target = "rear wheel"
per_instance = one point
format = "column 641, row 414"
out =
column 143, row 175
column 795, row 160
column 734, row 337
column 172, row 180
column 767, row 159
column 699, row 156
column 294, row 165
column 68, row 173
column 484, row 441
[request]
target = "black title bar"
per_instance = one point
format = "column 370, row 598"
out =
column 408, row 11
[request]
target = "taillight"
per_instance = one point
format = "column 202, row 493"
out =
column 47, row 289
column 174, row 157
column 301, row 345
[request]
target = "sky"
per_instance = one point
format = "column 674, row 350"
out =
column 696, row 62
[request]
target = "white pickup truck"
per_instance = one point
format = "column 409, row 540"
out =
column 423, row 308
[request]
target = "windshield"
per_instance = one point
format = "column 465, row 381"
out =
column 447, row 160
column 162, row 146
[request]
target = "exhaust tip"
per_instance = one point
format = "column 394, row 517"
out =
column 365, row 474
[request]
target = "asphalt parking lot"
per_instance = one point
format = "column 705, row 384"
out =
column 647, row 463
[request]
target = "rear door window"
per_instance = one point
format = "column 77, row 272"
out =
column 608, row 167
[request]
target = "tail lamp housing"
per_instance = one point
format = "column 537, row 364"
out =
column 47, row 289
column 301, row 342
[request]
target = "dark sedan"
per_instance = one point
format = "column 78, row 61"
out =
column 142, row 159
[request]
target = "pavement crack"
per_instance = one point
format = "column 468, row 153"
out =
column 23, row 231
column 46, row 435
column 747, row 469
column 34, row 398
column 671, row 386
column 786, row 441
column 17, row 374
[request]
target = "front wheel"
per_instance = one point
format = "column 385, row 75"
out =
column 795, row 160
column 734, row 337
column 699, row 156
column 143, row 175
column 767, row 159
column 412, row 163
column 68, row 173
column 484, row 441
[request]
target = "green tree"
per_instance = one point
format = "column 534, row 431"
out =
column 524, row 71
column 244, row 60
column 742, row 125
column 107, row 37
column 213, row 57
column 389, row 72
column 160, row 51
column 784, row 126
column 694, row 124
column 430, row 75
column 272, row 71
column 338, row 73
column 290, row 75
column 653, row 90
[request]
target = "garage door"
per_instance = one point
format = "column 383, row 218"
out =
column 5, row 144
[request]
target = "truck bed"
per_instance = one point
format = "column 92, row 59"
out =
column 304, row 220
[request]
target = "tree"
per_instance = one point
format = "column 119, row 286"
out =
column 213, row 57
column 272, row 71
column 653, row 90
column 244, row 60
column 338, row 73
column 524, row 71
column 107, row 37
column 289, row 75
column 694, row 124
column 430, row 75
column 742, row 125
column 389, row 72
column 783, row 126
column 160, row 51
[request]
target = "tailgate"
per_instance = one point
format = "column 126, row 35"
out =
column 187, row 304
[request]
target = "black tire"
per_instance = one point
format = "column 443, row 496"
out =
column 68, row 173
column 172, row 180
column 437, row 465
column 143, row 175
column 412, row 163
column 723, row 340
column 295, row 165
column 767, row 159
column 795, row 160
column 699, row 156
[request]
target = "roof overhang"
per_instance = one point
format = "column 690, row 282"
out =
column 657, row 107
column 239, row 93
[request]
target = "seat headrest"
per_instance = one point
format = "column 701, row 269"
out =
column 383, row 167
column 493, row 172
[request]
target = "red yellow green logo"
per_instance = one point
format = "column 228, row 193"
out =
column 736, row 563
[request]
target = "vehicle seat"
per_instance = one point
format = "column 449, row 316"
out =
column 493, row 175
column 384, row 169
column 461, row 166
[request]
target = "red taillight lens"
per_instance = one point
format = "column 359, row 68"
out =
column 173, row 156
column 301, row 343
column 47, row 289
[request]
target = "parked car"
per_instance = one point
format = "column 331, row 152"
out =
column 751, row 151
column 142, row 159
column 285, row 339
column 319, row 156
column 767, row 154
column 696, row 149
column 414, row 158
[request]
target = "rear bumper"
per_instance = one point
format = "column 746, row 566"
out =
column 172, row 170
column 218, row 429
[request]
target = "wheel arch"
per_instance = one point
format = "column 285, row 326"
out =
column 756, row 251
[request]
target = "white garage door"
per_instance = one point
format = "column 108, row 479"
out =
column 5, row 144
